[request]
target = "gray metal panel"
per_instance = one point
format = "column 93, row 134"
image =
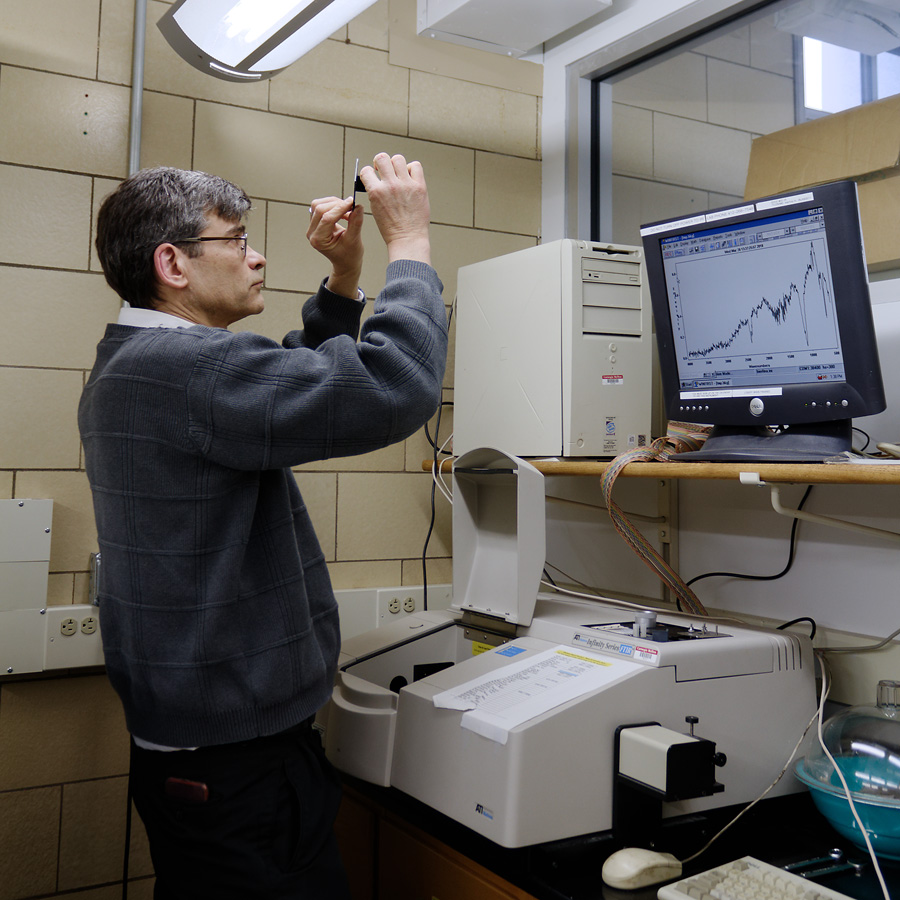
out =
column 23, row 585
column 21, row 642
column 25, row 530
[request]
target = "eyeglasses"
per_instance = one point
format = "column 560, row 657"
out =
column 242, row 238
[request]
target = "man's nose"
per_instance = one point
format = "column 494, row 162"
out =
column 255, row 260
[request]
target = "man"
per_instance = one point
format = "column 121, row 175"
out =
column 220, row 627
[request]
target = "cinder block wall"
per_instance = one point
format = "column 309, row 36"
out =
column 65, row 75
column 682, row 128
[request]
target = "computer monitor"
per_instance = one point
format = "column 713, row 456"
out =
column 764, row 324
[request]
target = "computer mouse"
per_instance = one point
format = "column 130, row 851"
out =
column 634, row 867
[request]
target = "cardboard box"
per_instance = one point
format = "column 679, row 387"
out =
column 862, row 143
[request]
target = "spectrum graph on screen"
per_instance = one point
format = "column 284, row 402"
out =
column 779, row 315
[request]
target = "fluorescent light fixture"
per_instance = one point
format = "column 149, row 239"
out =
column 249, row 40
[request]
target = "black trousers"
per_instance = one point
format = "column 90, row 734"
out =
column 248, row 821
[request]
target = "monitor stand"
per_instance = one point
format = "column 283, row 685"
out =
column 810, row 443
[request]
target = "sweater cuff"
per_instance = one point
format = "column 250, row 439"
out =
column 324, row 292
column 412, row 268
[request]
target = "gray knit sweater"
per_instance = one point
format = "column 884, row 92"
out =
column 218, row 619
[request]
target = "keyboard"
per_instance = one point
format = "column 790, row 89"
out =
column 745, row 878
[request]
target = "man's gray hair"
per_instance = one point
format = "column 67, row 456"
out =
column 153, row 207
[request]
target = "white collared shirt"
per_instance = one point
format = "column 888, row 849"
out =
column 150, row 318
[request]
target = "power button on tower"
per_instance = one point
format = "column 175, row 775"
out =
column 757, row 406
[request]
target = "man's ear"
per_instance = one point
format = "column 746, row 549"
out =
column 167, row 264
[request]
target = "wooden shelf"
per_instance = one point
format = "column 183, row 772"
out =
column 782, row 473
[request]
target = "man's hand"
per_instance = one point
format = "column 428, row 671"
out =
column 399, row 200
column 335, row 230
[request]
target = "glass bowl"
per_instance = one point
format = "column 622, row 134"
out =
column 865, row 743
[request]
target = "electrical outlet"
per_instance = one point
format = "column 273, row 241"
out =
column 403, row 601
column 72, row 637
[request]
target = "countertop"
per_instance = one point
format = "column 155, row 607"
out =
column 780, row 831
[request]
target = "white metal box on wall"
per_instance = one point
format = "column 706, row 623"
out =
column 511, row 27
column 35, row 637
column 24, row 571
column 554, row 352
column 24, row 553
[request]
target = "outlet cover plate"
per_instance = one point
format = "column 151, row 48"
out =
column 75, row 650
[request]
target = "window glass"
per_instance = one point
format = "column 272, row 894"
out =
column 676, row 129
column 832, row 76
column 888, row 72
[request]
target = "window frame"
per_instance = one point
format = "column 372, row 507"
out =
column 588, row 192
column 588, row 172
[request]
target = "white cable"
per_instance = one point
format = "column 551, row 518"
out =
column 849, row 794
column 581, row 596
column 437, row 473
column 750, row 806
column 877, row 646
column 830, row 521
column 439, row 483
column 443, row 449
column 629, row 604
column 596, row 595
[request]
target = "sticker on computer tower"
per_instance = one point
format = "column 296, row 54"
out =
column 610, row 427
column 613, row 380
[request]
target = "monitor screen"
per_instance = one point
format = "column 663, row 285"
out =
column 764, row 324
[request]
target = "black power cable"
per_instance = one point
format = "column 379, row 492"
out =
column 812, row 625
column 781, row 574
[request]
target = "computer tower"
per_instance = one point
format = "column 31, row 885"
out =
column 554, row 352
